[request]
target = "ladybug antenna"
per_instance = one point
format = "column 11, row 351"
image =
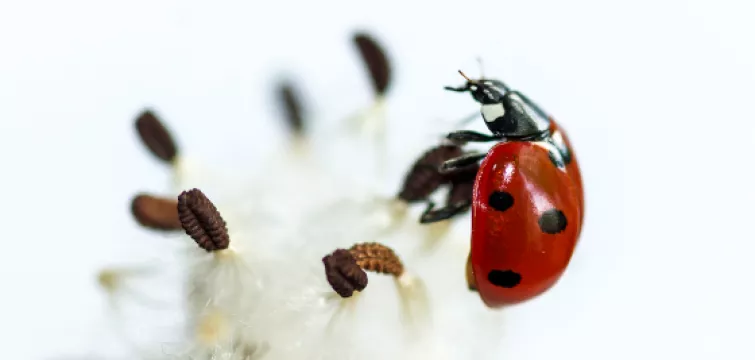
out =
column 465, row 76
column 482, row 69
column 464, row 88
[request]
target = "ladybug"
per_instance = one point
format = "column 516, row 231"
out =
column 527, row 200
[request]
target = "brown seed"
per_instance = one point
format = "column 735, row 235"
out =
column 471, row 282
column 291, row 104
column 424, row 178
column 343, row 273
column 156, row 137
column 462, row 186
column 375, row 60
column 202, row 221
column 155, row 213
column 377, row 258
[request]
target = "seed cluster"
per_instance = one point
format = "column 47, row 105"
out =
column 345, row 269
column 156, row 137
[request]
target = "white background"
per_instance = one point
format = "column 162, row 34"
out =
column 656, row 95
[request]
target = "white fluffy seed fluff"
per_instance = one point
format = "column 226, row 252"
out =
column 267, row 297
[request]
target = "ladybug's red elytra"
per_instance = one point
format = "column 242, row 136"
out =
column 527, row 200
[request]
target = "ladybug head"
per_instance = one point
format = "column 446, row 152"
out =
column 484, row 91
column 506, row 112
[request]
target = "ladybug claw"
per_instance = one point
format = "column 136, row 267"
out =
column 445, row 213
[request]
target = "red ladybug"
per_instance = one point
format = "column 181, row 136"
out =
column 527, row 200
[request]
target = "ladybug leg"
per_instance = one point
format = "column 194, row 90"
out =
column 458, row 201
column 465, row 136
column 464, row 162
column 444, row 213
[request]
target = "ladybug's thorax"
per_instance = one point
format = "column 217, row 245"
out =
column 515, row 116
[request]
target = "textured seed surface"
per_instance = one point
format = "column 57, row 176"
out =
column 377, row 258
column 290, row 102
column 202, row 221
column 424, row 178
column 155, row 136
column 376, row 61
column 343, row 273
column 156, row 213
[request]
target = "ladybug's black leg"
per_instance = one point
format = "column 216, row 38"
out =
column 444, row 213
column 461, row 163
column 465, row 136
column 459, row 198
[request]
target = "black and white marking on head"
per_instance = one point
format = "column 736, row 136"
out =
column 552, row 221
column 504, row 278
column 500, row 200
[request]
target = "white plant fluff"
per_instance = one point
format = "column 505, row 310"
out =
column 266, row 296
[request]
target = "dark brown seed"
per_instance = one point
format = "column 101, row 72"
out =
column 156, row 137
column 471, row 282
column 343, row 273
column 462, row 186
column 376, row 62
column 202, row 221
column 291, row 104
column 424, row 178
column 377, row 258
column 156, row 213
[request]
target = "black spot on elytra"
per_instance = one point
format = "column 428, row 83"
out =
column 500, row 200
column 504, row 278
column 552, row 221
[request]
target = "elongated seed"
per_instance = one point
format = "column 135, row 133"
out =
column 377, row 258
column 290, row 102
column 424, row 177
column 376, row 61
column 155, row 212
column 156, row 137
